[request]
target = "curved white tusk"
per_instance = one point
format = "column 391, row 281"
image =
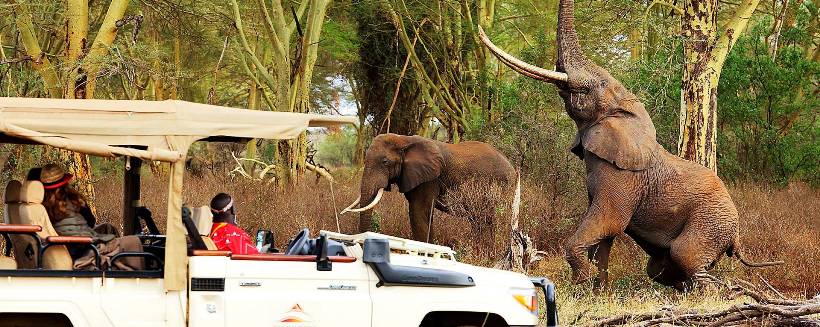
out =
column 351, row 205
column 372, row 204
column 519, row 65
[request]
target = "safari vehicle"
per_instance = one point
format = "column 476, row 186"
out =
column 333, row 280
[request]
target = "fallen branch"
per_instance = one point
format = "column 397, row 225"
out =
column 773, row 310
column 321, row 171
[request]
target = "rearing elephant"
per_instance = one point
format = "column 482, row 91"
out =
column 426, row 171
column 678, row 211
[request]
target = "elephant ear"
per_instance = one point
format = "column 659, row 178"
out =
column 422, row 162
column 624, row 139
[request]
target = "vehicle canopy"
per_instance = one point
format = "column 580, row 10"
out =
column 148, row 130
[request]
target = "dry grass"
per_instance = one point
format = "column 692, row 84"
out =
column 781, row 224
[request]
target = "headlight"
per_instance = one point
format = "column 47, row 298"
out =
column 527, row 298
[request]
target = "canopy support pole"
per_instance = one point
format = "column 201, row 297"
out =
column 176, row 255
column 131, row 196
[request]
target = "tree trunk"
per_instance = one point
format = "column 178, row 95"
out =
column 290, row 86
column 76, row 44
column 704, row 52
column 102, row 42
column 251, row 148
column 39, row 60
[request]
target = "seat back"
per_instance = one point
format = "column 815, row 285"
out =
column 11, row 200
column 11, row 214
column 204, row 220
column 32, row 212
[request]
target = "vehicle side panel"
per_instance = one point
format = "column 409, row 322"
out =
column 274, row 293
column 87, row 301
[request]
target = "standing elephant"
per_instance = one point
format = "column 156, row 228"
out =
column 678, row 211
column 427, row 172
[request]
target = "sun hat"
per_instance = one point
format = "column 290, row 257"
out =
column 53, row 176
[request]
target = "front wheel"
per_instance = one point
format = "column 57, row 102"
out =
column 463, row 319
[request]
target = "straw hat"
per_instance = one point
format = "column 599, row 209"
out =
column 53, row 176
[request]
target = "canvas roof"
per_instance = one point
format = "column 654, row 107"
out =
column 162, row 130
column 100, row 127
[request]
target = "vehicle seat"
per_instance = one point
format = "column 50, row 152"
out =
column 204, row 220
column 11, row 215
column 32, row 212
column 11, row 212
column 12, row 201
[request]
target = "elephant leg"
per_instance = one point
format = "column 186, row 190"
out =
column 421, row 201
column 695, row 250
column 595, row 227
column 599, row 253
column 604, row 219
column 663, row 270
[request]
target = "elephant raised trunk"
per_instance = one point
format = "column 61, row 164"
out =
column 574, row 71
column 569, row 51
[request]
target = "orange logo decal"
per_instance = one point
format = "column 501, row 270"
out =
column 296, row 315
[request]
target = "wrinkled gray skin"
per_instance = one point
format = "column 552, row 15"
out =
column 424, row 171
column 678, row 211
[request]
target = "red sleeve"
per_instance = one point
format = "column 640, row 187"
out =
column 234, row 239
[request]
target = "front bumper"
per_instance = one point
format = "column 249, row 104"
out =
column 549, row 295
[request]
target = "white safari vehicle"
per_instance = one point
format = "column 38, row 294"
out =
column 333, row 280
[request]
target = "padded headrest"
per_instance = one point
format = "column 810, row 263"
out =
column 32, row 192
column 13, row 191
column 203, row 219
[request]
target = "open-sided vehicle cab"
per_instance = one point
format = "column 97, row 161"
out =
column 332, row 280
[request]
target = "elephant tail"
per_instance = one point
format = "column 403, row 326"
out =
column 516, row 204
column 735, row 251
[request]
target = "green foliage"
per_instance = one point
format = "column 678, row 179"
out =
column 337, row 149
column 768, row 110
column 767, row 116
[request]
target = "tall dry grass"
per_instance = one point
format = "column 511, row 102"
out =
column 776, row 224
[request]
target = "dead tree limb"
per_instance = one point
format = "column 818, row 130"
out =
column 776, row 310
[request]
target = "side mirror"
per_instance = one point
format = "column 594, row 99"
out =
column 322, row 261
column 376, row 251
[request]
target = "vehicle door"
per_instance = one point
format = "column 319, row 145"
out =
column 280, row 290
column 134, row 298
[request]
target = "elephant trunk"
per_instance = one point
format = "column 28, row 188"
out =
column 582, row 73
column 569, row 51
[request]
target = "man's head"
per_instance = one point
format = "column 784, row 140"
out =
column 222, row 207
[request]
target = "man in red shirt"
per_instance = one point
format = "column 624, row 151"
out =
column 225, row 233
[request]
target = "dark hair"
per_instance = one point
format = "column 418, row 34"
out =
column 56, row 201
column 219, row 202
column 34, row 174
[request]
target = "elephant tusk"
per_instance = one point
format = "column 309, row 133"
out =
column 372, row 204
column 520, row 66
column 351, row 205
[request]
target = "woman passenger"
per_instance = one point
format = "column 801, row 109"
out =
column 69, row 214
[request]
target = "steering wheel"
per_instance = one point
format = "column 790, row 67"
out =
column 297, row 245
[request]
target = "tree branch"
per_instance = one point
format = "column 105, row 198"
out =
column 40, row 61
column 269, row 81
column 733, row 29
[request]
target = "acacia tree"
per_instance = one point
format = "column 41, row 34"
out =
column 80, row 64
column 449, row 65
column 705, row 48
column 284, row 83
